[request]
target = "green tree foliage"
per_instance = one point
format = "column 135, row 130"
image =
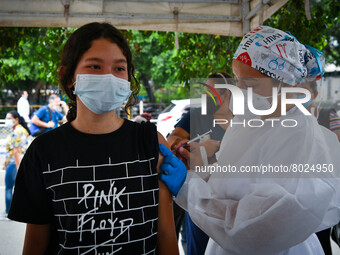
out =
column 170, row 69
column 152, row 59
column 29, row 57
column 321, row 32
column 201, row 55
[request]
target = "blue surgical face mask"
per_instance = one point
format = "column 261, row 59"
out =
column 101, row 93
column 308, row 103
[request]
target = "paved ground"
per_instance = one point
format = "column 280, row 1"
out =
column 11, row 233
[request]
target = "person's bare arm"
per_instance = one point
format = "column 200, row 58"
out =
column 36, row 121
column 178, row 134
column 17, row 156
column 166, row 238
column 178, row 137
column 36, row 239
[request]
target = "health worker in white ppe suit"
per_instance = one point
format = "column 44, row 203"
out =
column 255, row 213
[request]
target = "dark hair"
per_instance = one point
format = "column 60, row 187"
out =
column 22, row 121
column 78, row 43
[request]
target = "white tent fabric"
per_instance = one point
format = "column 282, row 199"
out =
column 222, row 17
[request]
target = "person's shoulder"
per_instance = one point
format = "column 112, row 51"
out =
column 54, row 135
column 142, row 125
column 66, row 127
column 42, row 109
column 129, row 124
column 19, row 130
column 44, row 143
column 145, row 136
column 142, row 130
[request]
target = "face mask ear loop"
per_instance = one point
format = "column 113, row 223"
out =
column 74, row 85
column 225, row 80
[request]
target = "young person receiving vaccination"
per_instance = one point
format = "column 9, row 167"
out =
column 91, row 186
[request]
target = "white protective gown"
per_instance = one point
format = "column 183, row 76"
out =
column 253, row 215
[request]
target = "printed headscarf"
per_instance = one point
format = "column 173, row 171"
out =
column 280, row 55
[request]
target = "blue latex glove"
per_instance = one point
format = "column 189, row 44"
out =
column 174, row 171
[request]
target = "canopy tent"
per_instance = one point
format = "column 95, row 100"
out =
column 223, row 17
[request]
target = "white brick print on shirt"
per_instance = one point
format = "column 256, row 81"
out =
column 102, row 207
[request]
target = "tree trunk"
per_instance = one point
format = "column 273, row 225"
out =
column 149, row 89
column 36, row 96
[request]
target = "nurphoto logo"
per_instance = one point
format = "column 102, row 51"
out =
column 238, row 104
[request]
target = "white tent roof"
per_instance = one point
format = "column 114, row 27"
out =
column 223, row 17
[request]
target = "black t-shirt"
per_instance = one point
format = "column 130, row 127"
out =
column 98, row 192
